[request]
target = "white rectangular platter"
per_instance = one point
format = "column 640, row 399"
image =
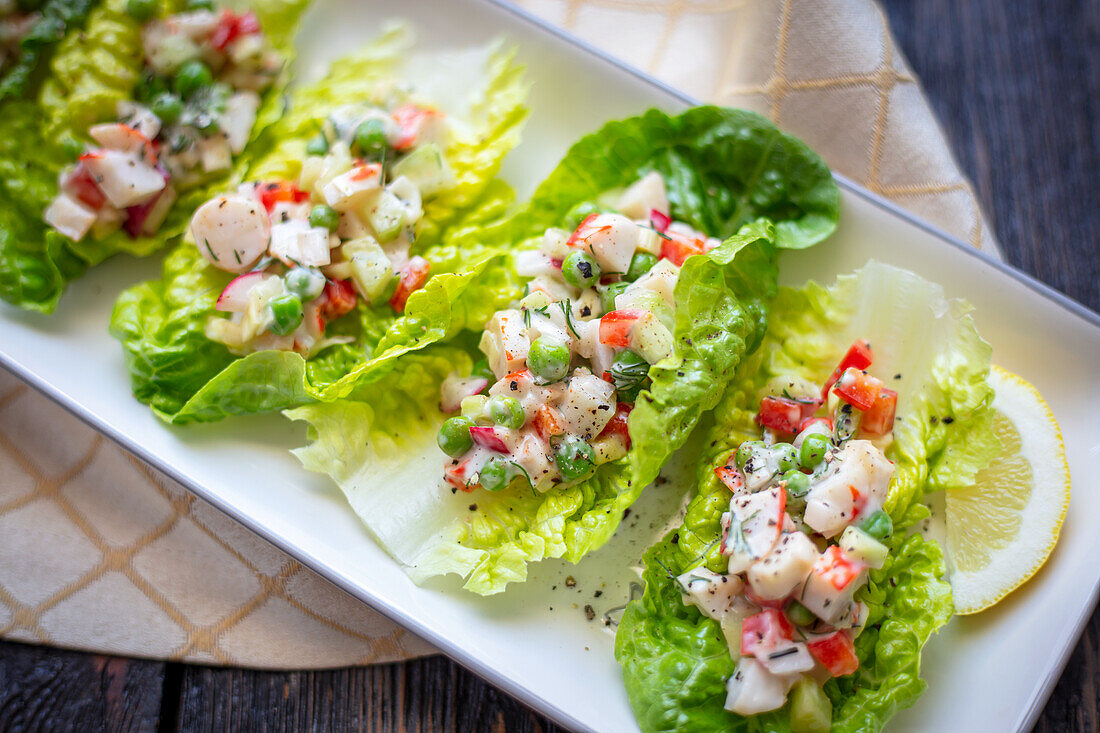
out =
column 535, row 641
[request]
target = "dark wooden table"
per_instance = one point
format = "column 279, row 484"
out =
column 1016, row 84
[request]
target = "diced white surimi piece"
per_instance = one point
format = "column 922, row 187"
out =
column 215, row 154
column 197, row 24
column 589, row 405
column 587, row 305
column 531, row 263
column 284, row 211
column 553, row 287
column 760, row 518
column 660, row 279
column 245, row 47
column 237, row 119
column 352, row 226
column 787, row 658
column 117, row 136
column 140, row 118
column 752, row 689
column 821, row 596
column 231, row 231
column 534, row 456
column 550, row 326
column 123, row 178
column 504, row 342
column 856, row 487
column 781, row 571
column 295, row 242
column 714, row 594
column 611, row 239
column 352, row 187
column 555, row 243
column 70, row 217
column 644, row 195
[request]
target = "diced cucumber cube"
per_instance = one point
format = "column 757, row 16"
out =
column 861, row 546
column 811, row 710
column 427, row 168
column 371, row 270
column 386, row 215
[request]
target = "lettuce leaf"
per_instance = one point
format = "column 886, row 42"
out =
column 392, row 473
column 89, row 73
column 674, row 660
column 186, row 378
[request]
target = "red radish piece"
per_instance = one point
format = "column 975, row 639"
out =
column 456, row 388
column 487, row 437
column 615, row 327
column 836, row 652
column 781, row 414
column 762, row 631
column 879, row 420
column 858, row 388
column 659, row 220
column 413, row 277
column 234, row 299
column 858, row 356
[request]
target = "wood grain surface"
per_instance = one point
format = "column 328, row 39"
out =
column 1016, row 85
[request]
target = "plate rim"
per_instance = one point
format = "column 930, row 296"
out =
column 1041, row 693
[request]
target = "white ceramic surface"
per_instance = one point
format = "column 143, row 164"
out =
column 536, row 641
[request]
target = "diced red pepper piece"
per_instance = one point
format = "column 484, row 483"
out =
column 836, row 652
column 413, row 277
column 837, row 568
column 731, row 477
column 619, row 424
column 615, row 327
column 781, row 414
column 273, row 193
column 83, row 186
column 678, row 247
column 337, row 299
column 879, row 420
column 762, row 631
column 548, row 422
column 858, row 356
column 858, row 389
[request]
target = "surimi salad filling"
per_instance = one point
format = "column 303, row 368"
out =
column 804, row 527
column 308, row 250
column 192, row 113
column 562, row 368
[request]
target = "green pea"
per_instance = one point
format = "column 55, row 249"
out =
column 798, row 483
column 287, row 313
column 506, row 411
column 141, row 10
column 168, row 107
column 370, row 137
column 799, row 615
column 629, row 370
column 608, row 293
column 317, row 145
column 494, row 475
column 191, row 77
column 325, row 217
column 454, row 438
column 149, row 88
column 814, row 448
column 304, row 282
column 580, row 270
column 786, row 455
column 481, row 369
column 878, row 525
column 548, row 360
column 575, row 458
column 200, row 4
column 747, row 450
column 580, row 212
column 640, row 264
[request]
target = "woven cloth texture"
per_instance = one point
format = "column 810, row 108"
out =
column 99, row 552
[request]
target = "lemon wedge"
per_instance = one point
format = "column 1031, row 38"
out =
column 1002, row 529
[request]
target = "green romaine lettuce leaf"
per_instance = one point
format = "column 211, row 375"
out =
column 926, row 347
column 393, row 477
column 89, row 73
column 186, row 378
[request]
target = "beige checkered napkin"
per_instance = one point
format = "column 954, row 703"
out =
column 98, row 552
